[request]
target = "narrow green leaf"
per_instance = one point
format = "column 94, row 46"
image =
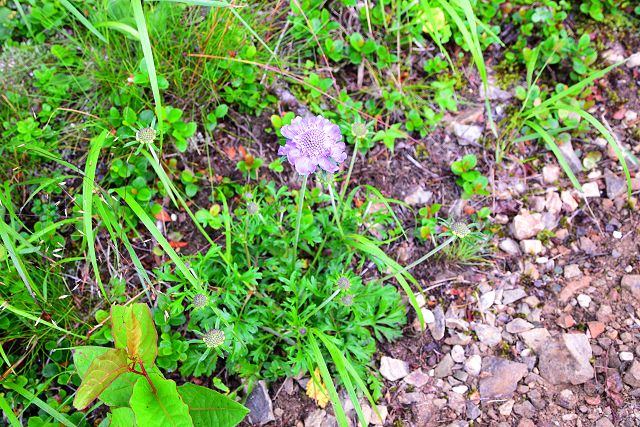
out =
column 328, row 382
column 163, row 408
column 101, row 373
column 8, row 412
column 29, row 396
column 210, row 408
column 80, row 17
column 87, row 203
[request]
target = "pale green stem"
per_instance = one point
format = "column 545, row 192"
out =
column 424, row 257
column 325, row 302
column 353, row 161
column 298, row 219
column 335, row 210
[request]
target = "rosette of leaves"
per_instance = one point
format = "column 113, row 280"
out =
column 127, row 380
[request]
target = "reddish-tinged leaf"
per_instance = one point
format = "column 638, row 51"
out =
column 163, row 216
column 101, row 373
column 133, row 329
column 176, row 245
column 231, row 152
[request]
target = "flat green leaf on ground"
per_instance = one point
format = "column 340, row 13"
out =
column 101, row 373
column 164, row 408
column 210, row 408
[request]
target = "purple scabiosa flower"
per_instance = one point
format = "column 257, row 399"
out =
column 312, row 142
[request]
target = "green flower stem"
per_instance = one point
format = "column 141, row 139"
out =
column 345, row 184
column 335, row 210
column 325, row 302
column 424, row 257
column 298, row 219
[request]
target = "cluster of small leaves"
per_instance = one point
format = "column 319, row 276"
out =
column 471, row 180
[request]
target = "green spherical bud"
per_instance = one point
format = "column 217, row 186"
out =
column 146, row 135
column 214, row 338
column 359, row 130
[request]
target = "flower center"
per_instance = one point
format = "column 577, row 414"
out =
column 311, row 143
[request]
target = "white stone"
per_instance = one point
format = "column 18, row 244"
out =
column 584, row 300
column 473, row 365
column 457, row 354
column 626, row 356
column 486, row 300
column 460, row 389
column 590, row 189
column 527, row 225
column 550, row 174
column 634, row 60
column 393, row 369
column 531, row 247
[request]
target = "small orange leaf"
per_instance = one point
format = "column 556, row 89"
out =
column 163, row 216
column 242, row 151
column 231, row 152
column 176, row 245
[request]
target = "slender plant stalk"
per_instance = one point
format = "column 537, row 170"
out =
column 424, row 257
column 345, row 184
column 325, row 302
column 335, row 210
column 303, row 188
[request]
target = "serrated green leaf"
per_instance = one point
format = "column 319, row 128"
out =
column 162, row 408
column 101, row 373
column 133, row 329
column 210, row 408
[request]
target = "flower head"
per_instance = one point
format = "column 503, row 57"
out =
column 146, row 135
column 347, row 300
column 359, row 130
column 214, row 338
column 252, row 208
column 312, row 142
column 344, row 283
column 460, row 229
column 200, row 300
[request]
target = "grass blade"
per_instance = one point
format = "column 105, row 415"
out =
column 162, row 241
column 17, row 261
column 80, row 17
column 328, row 382
column 4, row 305
column 39, row 403
column 554, row 148
column 87, row 204
column 8, row 412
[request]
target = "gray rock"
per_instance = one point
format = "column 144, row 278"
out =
column 604, row 422
column 488, row 335
column 418, row 196
column 616, row 186
column 467, row 134
column 510, row 247
column 633, row 60
column 320, row 418
column 513, row 295
column 486, row 300
column 591, row 189
column 473, row 411
column 631, row 282
column 527, row 225
column 437, row 327
column 566, row 399
column 445, row 367
column 536, row 399
column 417, row 378
column 260, row 405
column 456, row 402
column 525, row 409
column 506, row 408
column 502, row 377
column 570, row 156
column 632, row 377
column 550, row 174
column 393, row 369
column 473, row 365
column 518, row 325
column 457, row 354
column 494, row 92
column 566, row 360
column 535, row 338
column 572, row 271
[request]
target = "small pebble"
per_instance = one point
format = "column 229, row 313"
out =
column 584, row 300
column 617, row 234
column 626, row 356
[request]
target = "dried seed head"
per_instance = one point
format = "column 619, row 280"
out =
column 347, row 300
column 344, row 283
column 200, row 300
column 248, row 195
column 214, row 338
column 359, row 130
column 146, row 135
column 460, row 229
column 252, row 208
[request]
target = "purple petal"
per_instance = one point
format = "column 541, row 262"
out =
column 284, row 150
column 326, row 164
column 304, row 165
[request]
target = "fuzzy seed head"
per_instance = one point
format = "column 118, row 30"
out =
column 347, row 300
column 460, row 229
column 213, row 338
column 146, row 135
column 302, row 331
column 200, row 300
column 344, row 283
column 252, row 208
